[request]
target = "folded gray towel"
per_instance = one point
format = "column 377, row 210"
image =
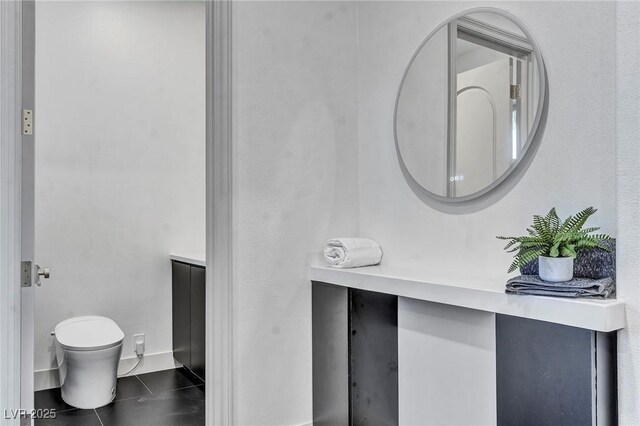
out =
column 577, row 287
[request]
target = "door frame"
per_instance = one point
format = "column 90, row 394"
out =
column 10, row 206
column 17, row 88
column 220, row 372
column 27, row 213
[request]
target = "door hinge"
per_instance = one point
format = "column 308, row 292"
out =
column 27, row 122
column 514, row 91
column 26, row 269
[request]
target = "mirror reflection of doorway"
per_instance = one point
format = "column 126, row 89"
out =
column 489, row 90
column 476, row 129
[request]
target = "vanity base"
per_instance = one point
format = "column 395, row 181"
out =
column 541, row 372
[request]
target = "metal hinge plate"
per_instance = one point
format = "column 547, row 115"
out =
column 27, row 122
column 26, row 269
column 514, row 91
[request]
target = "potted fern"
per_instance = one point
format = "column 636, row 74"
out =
column 555, row 244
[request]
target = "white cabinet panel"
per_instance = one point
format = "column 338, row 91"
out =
column 447, row 370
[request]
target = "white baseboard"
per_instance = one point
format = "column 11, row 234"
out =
column 48, row 379
column 150, row 363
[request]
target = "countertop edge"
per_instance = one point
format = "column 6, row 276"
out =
column 598, row 315
column 192, row 259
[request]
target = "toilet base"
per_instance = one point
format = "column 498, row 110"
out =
column 88, row 378
column 72, row 403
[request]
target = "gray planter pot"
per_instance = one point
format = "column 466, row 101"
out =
column 555, row 269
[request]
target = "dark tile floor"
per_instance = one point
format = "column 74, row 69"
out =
column 170, row 397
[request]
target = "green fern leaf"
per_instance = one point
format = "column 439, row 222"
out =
column 568, row 251
column 553, row 221
column 575, row 223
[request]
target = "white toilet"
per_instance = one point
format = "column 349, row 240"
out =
column 88, row 350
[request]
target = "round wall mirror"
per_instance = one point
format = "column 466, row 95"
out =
column 469, row 105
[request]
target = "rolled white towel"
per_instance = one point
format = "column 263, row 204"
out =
column 352, row 252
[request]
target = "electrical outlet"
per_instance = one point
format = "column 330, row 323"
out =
column 138, row 343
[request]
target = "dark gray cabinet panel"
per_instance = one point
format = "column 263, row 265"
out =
column 188, row 309
column 181, row 306
column 374, row 358
column 355, row 356
column 330, row 343
column 549, row 374
column 197, row 321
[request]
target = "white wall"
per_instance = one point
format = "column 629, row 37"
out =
column 574, row 167
column 120, row 167
column 295, row 185
column 294, row 108
column 628, row 205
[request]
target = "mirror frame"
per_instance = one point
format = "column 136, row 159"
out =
column 536, row 128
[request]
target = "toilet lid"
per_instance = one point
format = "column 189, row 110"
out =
column 88, row 333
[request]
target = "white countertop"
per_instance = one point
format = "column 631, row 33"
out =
column 474, row 292
column 198, row 259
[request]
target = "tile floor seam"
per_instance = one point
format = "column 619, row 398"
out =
column 63, row 411
column 184, row 387
column 128, row 398
column 195, row 375
column 98, row 416
column 144, row 384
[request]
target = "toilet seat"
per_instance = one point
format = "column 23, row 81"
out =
column 88, row 333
